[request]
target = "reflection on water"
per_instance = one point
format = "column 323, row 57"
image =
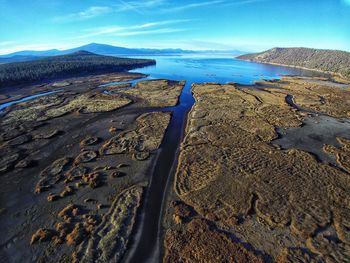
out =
column 222, row 70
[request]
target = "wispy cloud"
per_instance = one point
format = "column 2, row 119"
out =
column 194, row 5
column 166, row 6
column 152, row 32
column 121, row 6
column 138, row 6
column 217, row 3
column 147, row 6
column 141, row 29
column 161, row 6
column 91, row 12
column 243, row 2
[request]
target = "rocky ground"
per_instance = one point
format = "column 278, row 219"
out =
column 240, row 196
column 75, row 165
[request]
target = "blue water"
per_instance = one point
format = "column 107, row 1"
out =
column 222, row 70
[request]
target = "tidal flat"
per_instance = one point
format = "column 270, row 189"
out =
column 75, row 166
column 126, row 167
column 243, row 197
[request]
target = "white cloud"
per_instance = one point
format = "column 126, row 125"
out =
column 165, row 22
column 153, row 6
column 135, row 29
column 218, row 3
column 245, row 2
column 151, row 32
column 138, row 6
column 165, row 6
column 194, row 5
column 91, row 12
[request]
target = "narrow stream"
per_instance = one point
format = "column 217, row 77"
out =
column 147, row 243
column 41, row 94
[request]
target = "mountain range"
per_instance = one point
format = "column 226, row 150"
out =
column 107, row 50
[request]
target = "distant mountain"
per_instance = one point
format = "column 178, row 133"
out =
column 79, row 62
column 51, row 52
column 108, row 50
column 333, row 61
column 103, row 49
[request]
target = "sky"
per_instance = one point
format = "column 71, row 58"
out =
column 247, row 25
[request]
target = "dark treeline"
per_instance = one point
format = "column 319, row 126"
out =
column 81, row 62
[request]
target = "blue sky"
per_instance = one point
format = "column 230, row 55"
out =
column 249, row 25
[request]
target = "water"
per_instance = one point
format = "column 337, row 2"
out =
column 41, row 94
column 221, row 70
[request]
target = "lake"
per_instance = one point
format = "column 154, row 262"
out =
column 222, row 70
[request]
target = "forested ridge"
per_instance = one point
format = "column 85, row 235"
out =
column 81, row 62
column 320, row 59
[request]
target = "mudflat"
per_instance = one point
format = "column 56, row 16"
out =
column 75, row 165
column 242, row 195
column 262, row 173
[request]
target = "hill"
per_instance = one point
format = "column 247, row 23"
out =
column 334, row 61
column 81, row 62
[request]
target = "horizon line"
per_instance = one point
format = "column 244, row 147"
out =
column 32, row 48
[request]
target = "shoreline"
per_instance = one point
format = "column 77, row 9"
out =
column 331, row 73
